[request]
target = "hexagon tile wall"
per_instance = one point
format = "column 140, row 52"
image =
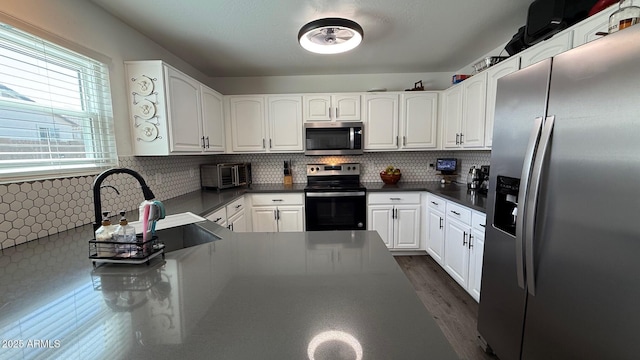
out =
column 35, row 209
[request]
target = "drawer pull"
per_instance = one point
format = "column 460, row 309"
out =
column 435, row 203
column 396, row 199
column 238, row 206
column 455, row 212
column 277, row 200
column 483, row 225
column 216, row 220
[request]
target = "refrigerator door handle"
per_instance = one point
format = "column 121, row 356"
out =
column 532, row 201
column 522, row 195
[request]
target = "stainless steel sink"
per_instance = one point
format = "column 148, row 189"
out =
column 184, row 236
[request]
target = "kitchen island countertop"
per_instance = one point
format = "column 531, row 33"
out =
column 311, row 295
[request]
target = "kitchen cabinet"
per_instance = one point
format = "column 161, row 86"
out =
column 401, row 121
column 219, row 216
column 381, row 122
column 476, row 252
column 247, row 123
column 493, row 74
column 419, row 120
column 586, row 30
column 331, row 107
column 236, row 216
column 559, row 43
column 277, row 212
column 265, row 123
column 463, row 113
column 284, row 115
column 212, row 120
column 435, row 223
column 396, row 217
column 171, row 113
column 464, row 247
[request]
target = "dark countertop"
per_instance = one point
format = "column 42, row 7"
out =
column 203, row 202
column 246, row 296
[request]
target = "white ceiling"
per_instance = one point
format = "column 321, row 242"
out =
column 259, row 37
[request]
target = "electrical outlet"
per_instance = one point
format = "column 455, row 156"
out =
column 158, row 178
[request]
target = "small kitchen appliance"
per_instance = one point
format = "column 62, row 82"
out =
column 474, row 178
column 222, row 176
column 333, row 138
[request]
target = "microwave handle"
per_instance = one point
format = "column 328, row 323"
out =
column 352, row 138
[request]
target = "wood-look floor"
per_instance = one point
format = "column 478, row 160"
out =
column 453, row 309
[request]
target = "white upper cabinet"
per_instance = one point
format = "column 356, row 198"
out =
column 419, row 120
column 212, row 120
column 463, row 113
column 586, row 30
column 247, row 122
column 261, row 123
column 328, row 107
column 546, row 49
column 170, row 112
column 493, row 74
column 185, row 117
column 381, row 122
column 285, row 123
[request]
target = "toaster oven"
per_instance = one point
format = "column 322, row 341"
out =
column 226, row 175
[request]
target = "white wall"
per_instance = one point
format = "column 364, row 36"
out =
column 328, row 83
column 83, row 23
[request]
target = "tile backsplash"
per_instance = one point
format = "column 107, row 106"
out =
column 35, row 209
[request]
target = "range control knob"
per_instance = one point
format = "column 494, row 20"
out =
column 317, row 169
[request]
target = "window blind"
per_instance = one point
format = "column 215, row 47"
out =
column 56, row 117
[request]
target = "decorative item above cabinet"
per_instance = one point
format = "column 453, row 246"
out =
column 171, row 113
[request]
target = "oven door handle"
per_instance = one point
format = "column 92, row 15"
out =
column 335, row 194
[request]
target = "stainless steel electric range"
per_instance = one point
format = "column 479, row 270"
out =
column 334, row 198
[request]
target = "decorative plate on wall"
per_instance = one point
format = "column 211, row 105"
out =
column 147, row 132
column 144, row 109
column 142, row 85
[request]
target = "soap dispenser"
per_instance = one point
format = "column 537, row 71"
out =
column 126, row 234
column 105, row 234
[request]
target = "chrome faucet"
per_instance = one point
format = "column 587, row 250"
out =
column 97, row 206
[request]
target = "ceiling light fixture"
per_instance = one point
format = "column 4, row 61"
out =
column 330, row 35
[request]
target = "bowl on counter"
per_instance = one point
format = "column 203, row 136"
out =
column 390, row 179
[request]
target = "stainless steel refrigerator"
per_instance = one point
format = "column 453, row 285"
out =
column 561, row 271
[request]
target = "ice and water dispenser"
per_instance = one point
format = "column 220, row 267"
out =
column 506, row 210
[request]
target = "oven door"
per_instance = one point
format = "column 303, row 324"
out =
column 336, row 210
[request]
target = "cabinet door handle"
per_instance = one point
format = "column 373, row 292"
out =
column 396, row 141
column 440, row 223
column 208, row 142
column 461, row 138
column 464, row 239
column 330, row 112
column 455, row 212
column 263, row 144
column 404, row 141
column 457, row 137
column 470, row 244
column 337, row 112
column 270, row 144
column 277, row 214
column 202, row 142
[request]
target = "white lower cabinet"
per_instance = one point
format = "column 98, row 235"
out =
column 454, row 238
column 236, row 216
column 435, row 222
column 219, row 217
column 396, row 218
column 277, row 212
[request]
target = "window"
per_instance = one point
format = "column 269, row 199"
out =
column 55, row 110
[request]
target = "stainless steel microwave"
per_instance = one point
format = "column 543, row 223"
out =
column 222, row 176
column 333, row 138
